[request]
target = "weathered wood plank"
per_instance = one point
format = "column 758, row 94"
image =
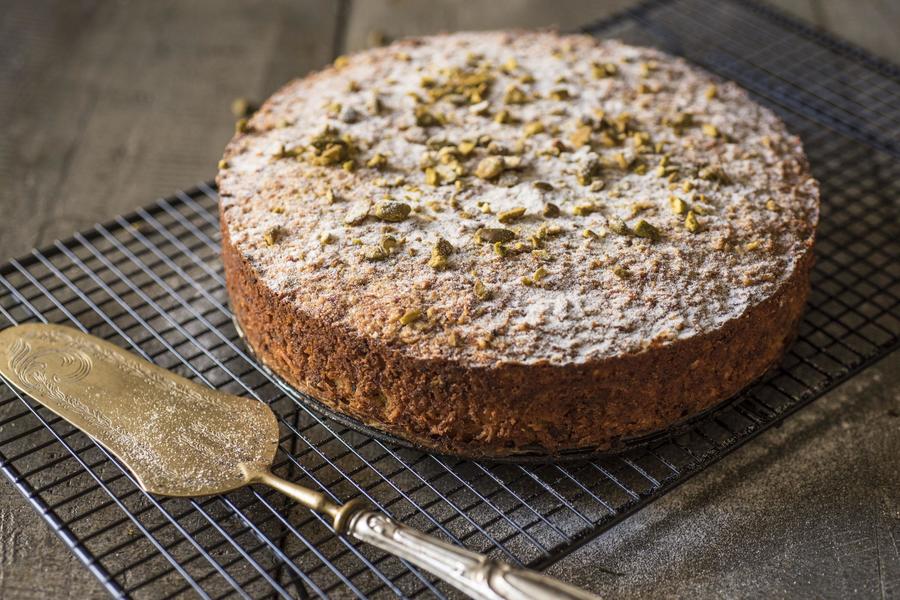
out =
column 402, row 18
column 872, row 24
column 107, row 105
column 114, row 103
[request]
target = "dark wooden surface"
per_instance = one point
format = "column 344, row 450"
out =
column 110, row 104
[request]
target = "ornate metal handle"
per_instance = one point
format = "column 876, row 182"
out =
column 475, row 574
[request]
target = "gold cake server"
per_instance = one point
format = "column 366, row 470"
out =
column 179, row 438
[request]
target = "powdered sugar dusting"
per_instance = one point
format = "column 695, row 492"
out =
column 603, row 293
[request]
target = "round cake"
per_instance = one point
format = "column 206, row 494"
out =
column 492, row 244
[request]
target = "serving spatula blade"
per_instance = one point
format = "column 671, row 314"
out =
column 183, row 439
column 177, row 438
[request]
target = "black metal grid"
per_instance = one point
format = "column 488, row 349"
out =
column 151, row 281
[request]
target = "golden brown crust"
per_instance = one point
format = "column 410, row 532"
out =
column 512, row 408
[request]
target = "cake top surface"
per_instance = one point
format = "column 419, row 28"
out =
column 518, row 196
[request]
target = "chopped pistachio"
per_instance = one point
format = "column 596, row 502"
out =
column 621, row 272
column 411, row 316
column 713, row 173
column 500, row 249
column 443, row 248
column 490, row 167
column 678, row 205
column 542, row 186
column 584, row 209
column 326, row 237
column 691, row 223
column 378, row 161
column 341, row 61
column 514, row 95
column 437, row 262
column 752, row 245
column 389, row 243
column 513, row 162
column 539, row 274
column 374, row 253
column 710, row 130
column 687, row 185
column 587, row 170
column 391, row 211
column 639, row 207
column 772, row 205
column 425, row 118
column 271, row 235
column 646, row 230
column 550, row 210
column 494, row 234
column 560, row 94
column 711, row 92
column 241, row 107
column 680, row 121
column 503, row 117
column 553, row 230
column 507, row 180
column 481, row 109
column 481, row 291
column 332, row 154
column 432, row 177
column 357, row 213
column 508, row 216
column 374, row 104
column 581, row 136
column 617, row 225
column 527, row 280
column 223, row 164
column 604, row 70
column 589, row 234
column 533, row 128
column 241, row 126
column 466, row 147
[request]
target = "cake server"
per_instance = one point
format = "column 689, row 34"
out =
column 179, row 438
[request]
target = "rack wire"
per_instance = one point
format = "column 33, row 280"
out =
column 151, row 281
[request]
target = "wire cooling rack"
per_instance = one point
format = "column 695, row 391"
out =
column 152, row 282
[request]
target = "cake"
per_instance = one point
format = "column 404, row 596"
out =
column 506, row 243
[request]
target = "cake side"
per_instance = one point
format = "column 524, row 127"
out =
column 511, row 408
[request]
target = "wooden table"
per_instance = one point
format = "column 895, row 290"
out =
column 110, row 104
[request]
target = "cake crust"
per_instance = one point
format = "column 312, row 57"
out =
column 637, row 312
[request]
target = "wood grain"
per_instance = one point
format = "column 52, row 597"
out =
column 107, row 105
column 402, row 18
column 112, row 104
